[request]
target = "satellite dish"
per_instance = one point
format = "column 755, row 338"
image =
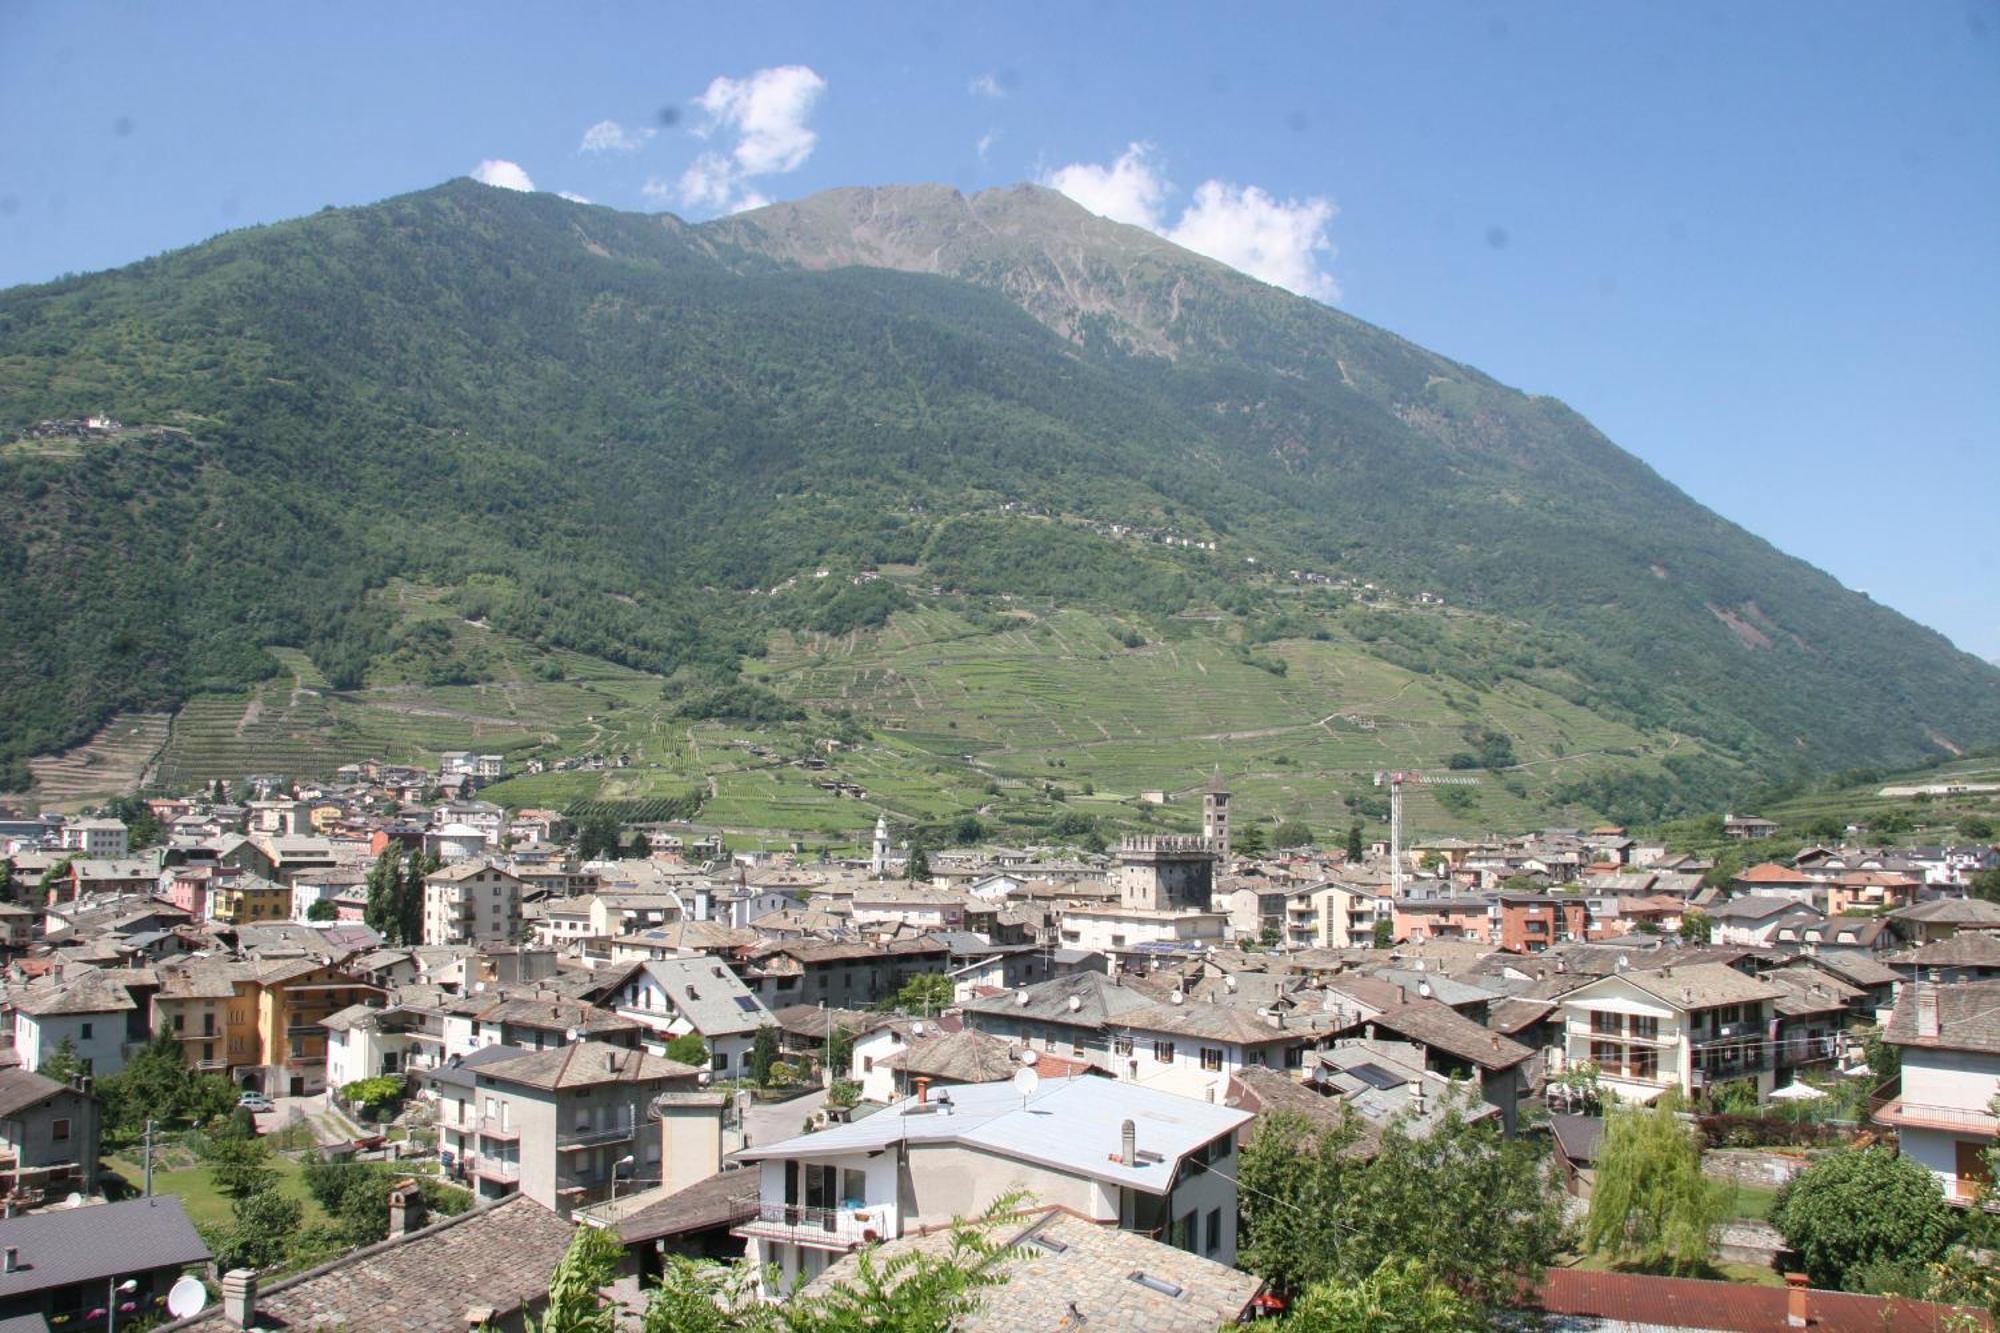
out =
column 1028, row 1057
column 1026, row 1081
column 74, row 1200
column 916, row 1029
column 186, row 1297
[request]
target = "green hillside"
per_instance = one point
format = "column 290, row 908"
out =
column 615, row 453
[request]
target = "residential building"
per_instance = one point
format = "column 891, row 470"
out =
column 1941, row 918
column 1103, row 1151
column 97, row 837
column 835, row 973
column 246, row 899
column 1747, row 827
column 472, row 902
column 1531, row 922
column 1754, row 920
column 673, row 996
column 1194, row 1048
column 210, row 1006
column 62, row 1264
column 1942, row 1105
column 1330, row 916
column 1691, row 1026
column 48, row 1137
column 294, row 996
column 1075, row 1015
column 96, row 1014
column 560, row 1125
column 1443, row 919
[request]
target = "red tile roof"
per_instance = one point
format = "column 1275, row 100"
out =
column 1687, row 1303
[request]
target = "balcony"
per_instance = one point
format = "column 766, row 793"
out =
column 595, row 1138
column 493, row 1127
column 1888, row 1106
column 211, row 1066
column 821, row 1228
column 496, row 1168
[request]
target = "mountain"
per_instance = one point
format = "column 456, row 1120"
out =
column 629, row 439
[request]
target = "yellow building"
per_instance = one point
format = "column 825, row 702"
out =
column 294, row 996
column 210, row 1007
column 249, row 900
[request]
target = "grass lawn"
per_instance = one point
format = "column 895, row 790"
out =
column 206, row 1206
column 1749, row 1274
column 1753, row 1201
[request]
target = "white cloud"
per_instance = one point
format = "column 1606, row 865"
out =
column 608, row 136
column 1284, row 242
column 767, row 114
column 986, row 85
column 573, row 197
column 986, row 142
column 1129, row 190
column 507, row 175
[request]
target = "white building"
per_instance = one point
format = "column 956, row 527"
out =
column 673, row 996
column 1942, row 1104
column 1691, row 1026
column 96, row 837
column 473, row 902
column 1108, row 1152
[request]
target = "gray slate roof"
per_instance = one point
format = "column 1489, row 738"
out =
column 98, row 1241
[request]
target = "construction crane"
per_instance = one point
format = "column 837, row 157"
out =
column 1394, row 781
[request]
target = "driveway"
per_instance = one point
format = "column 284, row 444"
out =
column 765, row 1124
column 291, row 1110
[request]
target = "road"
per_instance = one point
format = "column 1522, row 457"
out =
column 784, row 1120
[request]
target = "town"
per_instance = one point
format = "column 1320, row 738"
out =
column 372, row 1052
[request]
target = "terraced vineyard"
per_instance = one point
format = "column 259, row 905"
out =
column 111, row 763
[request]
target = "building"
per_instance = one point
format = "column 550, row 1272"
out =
column 486, row 1269
column 1692, row 1026
column 1747, row 827
column 1068, row 1273
column 1754, row 920
column 95, row 1014
column 209, row 1005
column 1941, row 918
column 560, row 1125
column 48, row 1136
column 244, row 900
column 472, row 902
column 1215, row 816
column 294, row 997
column 673, row 996
column 1942, row 1104
column 97, row 837
column 1106, row 1152
column 65, row 1263
column 1330, row 916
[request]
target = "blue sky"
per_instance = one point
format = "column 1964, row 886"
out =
column 1759, row 245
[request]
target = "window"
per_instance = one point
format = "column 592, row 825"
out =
column 1646, row 1026
column 180, row 1022
column 719, row 1061
column 1211, row 1057
column 59, row 1130
column 87, row 1030
column 1121, row 1046
column 1212, row 1241
column 1163, row 1051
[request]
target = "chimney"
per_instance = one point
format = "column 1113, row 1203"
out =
column 406, row 1208
column 1795, row 1300
column 1402, row 995
column 13, row 1260
column 923, row 1088
column 1927, row 1010
column 1128, row 1144
column 239, row 1297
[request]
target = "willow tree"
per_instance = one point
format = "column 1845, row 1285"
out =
column 1651, row 1206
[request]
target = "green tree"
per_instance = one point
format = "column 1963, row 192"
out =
column 410, row 896
column 1355, row 850
column 157, row 1081
column 590, row 1263
column 7, row 885
column 1651, row 1205
column 1291, row 833
column 967, row 830
column 323, row 909
column 52, row 877
column 1978, row 828
column 597, row 838
column 1482, row 1212
column 262, row 1226
column 1884, row 1061
column 764, row 1054
column 1986, row 884
column 241, row 1167
column 689, row 1049
column 1697, row 926
column 918, row 866
column 383, row 913
column 62, row 1064
column 1861, row 1207
column 840, row 1051
column 926, row 993
column 1383, row 933
column 1400, row 1296
column 1248, row 839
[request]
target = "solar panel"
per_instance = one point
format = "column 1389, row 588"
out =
column 746, row 1004
column 1377, row 1077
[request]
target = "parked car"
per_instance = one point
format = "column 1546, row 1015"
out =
column 256, row 1101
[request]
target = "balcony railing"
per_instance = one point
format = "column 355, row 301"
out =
column 592, row 1138
column 821, row 1228
column 1888, row 1106
column 496, row 1168
column 493, row 1127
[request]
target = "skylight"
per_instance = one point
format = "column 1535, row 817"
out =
column 1172, row 1290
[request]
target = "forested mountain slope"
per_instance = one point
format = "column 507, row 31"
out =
column 623, row 436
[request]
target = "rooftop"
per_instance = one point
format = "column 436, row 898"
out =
column 1968, row 1018
column 584, row 1064
column 96, row 1242
column 1068, row 1124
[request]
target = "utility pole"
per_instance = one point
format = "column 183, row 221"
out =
column 149, row 1157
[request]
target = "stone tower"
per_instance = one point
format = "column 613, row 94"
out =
column 1166, row 874
column 881, row 857
column 1215, row 815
